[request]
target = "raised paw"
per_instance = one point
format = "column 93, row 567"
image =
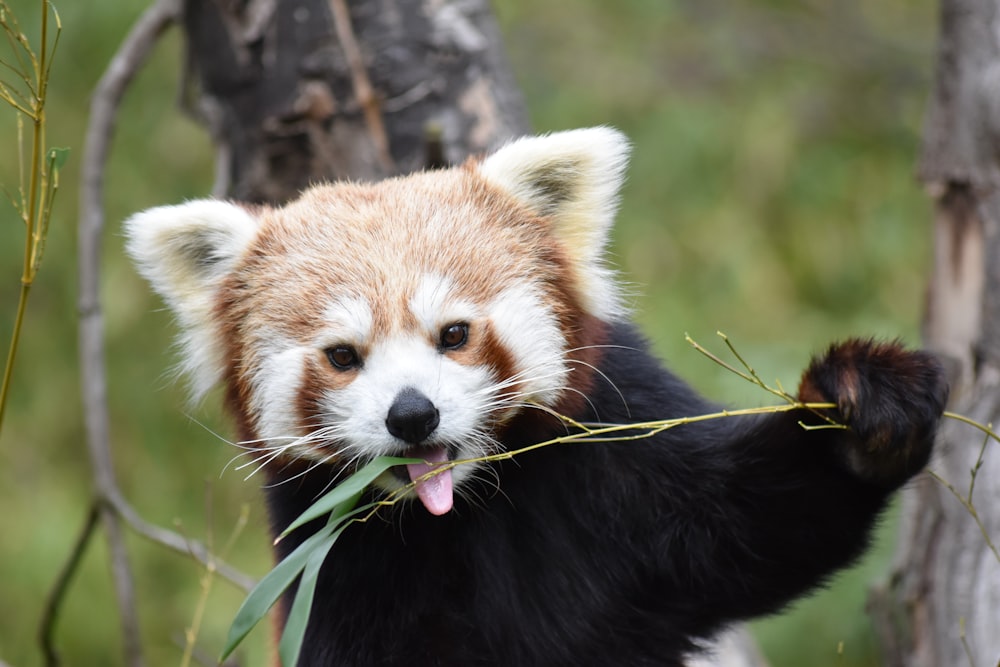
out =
column 890, row 398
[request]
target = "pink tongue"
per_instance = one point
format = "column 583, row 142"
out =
column 434, row 492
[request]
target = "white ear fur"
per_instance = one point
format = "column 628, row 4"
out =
column 573, row 178
column 185, row 252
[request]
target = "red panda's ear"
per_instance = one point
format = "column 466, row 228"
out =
column 186, row 252
column 571, row 179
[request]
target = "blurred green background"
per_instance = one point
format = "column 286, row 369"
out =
column 771, row 196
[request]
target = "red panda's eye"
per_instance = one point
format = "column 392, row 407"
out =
column 343, row 357
column 454, row 336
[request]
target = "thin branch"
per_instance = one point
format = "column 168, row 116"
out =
column 180, row 544
column 118, row 508
column 103, row 112
column 19, row 47
column 14, row 98
column 971, row 509
column 207, row 579
column 52, row 605
column 121, row 575
column 965, row 642
column 974, row 472
column 750, row 375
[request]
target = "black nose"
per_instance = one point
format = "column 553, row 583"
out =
column 412, row 417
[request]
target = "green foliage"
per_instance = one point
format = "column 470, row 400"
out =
column 771, row 196
column 24, row 88
column 339, row 505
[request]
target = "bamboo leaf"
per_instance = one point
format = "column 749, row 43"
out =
column 57, row 158
column 305, row 560
column 273, row 585
column 298, row 618
column 349, row 488
column 269, row 589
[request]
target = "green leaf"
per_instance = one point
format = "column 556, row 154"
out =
column 269, row 589
column 298, row 618
column 350, row 487
column 57, row 157
column 339, row 503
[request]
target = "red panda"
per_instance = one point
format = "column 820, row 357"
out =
column 450, row 314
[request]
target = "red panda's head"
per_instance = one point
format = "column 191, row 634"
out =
column 416, row 316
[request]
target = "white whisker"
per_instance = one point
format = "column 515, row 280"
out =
column 609, row 381
column 604, row 346
column 313, row 466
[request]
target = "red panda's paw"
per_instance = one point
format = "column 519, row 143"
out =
column 891, row 399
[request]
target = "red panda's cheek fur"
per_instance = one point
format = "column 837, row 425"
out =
column 236, row 381
column 584, row 333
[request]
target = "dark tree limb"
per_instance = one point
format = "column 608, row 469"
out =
column 941, row 605
column 46, row 634
column 310, row 90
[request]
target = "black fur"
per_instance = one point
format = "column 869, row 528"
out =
column 628, row 553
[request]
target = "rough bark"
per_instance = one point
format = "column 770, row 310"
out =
column 303, row 90
column 941, row 604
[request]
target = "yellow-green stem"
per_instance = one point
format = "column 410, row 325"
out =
column 37, row 136
column 35, row 213
column 22, row 304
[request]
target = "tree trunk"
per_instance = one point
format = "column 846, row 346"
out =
column 297, row 91
column 941, row 604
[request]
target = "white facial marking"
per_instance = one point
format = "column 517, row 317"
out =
column 529, row 330
column 275, row 385
column 433, row 305
column 348, row 320
column 460, row 393
column 467, row 398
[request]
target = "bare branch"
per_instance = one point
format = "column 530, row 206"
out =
column 119, row 508
column 179, row 543
column 54, row 601
column 104, row 107
column 971, row 509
